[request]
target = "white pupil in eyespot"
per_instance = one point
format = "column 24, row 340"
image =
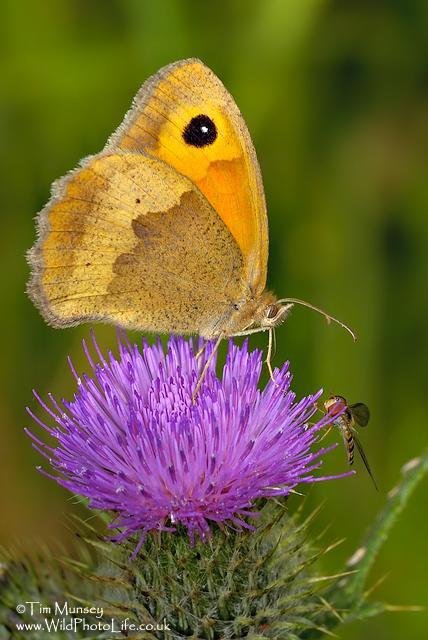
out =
column 204, row 129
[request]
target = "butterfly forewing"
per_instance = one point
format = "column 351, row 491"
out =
column 185, row 116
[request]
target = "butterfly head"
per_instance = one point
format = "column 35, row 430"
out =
column 259, row 314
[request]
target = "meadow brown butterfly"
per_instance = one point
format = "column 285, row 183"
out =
column 166, row 229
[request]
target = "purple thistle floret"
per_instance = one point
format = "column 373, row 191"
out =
column 133, row 442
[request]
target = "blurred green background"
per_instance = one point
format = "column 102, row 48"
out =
column 335, row 95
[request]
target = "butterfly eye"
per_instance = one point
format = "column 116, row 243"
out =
column 272, row 311
column 200, row 131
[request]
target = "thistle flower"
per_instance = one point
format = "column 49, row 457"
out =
column 133, row 442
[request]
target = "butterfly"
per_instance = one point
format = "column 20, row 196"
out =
column 166, row 229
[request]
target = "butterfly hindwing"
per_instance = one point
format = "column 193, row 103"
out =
column 127, row 239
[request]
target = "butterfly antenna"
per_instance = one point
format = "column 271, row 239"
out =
column 326, row 315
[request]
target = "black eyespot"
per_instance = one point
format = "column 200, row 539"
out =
column 200, row 131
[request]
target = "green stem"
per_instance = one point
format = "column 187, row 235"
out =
column 352, row 587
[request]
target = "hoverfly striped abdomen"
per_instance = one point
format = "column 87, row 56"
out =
column 349, row 440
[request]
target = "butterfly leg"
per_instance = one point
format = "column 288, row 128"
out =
column 206, row 366
column 201, row 350
column 268, row 360
column 249, row 332
column 269, row 356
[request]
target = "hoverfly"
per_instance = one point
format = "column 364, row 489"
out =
column 354, row 415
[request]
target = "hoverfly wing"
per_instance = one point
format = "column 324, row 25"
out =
column 364, row 459
column 361, row 414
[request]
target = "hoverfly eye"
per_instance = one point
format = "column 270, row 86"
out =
column 272, row 311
